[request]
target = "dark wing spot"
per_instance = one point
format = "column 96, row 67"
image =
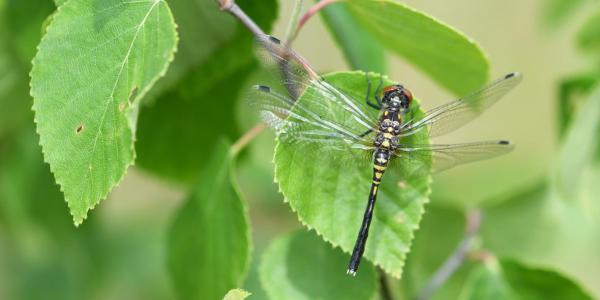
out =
column 274, row 39
column 504, row 142
column 79, row 129
column 263, row 88
column 509, row 75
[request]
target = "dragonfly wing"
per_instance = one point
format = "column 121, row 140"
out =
column 453, row 115
column 295, row 122
column 439, row 157
column 299, row 79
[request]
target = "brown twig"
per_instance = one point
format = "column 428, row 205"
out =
column 483, row 256
column 231, row 7
column 311, row 12
column 456, row 259
column 247, row 138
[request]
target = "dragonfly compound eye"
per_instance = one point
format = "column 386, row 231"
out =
column 316, row 122
column 408, row 95
column 404, row 103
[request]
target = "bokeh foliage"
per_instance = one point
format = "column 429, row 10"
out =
column 538, row 240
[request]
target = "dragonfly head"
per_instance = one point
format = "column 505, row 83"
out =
column 397, row 98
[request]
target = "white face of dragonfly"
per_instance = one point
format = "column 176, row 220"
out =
column 396, row 104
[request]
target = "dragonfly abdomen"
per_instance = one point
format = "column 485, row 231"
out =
column 381, row 159
column 380, row 162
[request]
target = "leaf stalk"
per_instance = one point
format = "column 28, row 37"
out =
column 456, row 259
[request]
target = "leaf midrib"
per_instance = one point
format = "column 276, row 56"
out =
column 111, row 96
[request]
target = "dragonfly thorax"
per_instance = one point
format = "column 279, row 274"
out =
column 388, row 130
column 387, row 133
column 389, row 125
column 386, row 140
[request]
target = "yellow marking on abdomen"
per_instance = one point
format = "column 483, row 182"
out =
column 379, row 168
column 378, row 175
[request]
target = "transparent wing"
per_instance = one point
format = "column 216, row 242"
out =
column 439, row 157
column 453, row 115
column 295, row 122
column 299, row 79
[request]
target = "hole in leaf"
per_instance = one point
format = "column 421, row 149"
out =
column 79, row 129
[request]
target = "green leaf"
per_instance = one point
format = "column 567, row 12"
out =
column 580, row 146
column 20, row 23
column 202, row 29
column 209, row 240
column 329, row 190
column 14, row 98
column 173, row 132
column 536, row 226
column 502, row 229
column 572, row 93
column 447, row 56
column 59, row 2
column 252, row 281
column 40, row 247
column 556, row 12
column 96, row 62
column 24, row 22
column 361, row 50
column 236, row 294
column 588, row 37
column 508, row 279
column 440, row 232
column 21, row 168
column 301, row 266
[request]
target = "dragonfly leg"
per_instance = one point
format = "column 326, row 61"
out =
column 377, row 105
column 379, row 102
column 366, row 132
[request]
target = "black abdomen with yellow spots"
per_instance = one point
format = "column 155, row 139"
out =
column 386, row 142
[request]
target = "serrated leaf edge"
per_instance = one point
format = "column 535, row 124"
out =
column 78, row 220
column 335, row 245
column 471, row 41
column 403, row 255
column 245, row 211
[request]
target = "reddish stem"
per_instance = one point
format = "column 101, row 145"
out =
column 311, row 12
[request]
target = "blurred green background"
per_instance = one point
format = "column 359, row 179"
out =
column 119, row 252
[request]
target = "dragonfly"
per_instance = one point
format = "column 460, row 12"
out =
column 381, row 128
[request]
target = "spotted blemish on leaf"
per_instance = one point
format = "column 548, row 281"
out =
column 133, row 93
column 105, row 140
column 402, row 184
